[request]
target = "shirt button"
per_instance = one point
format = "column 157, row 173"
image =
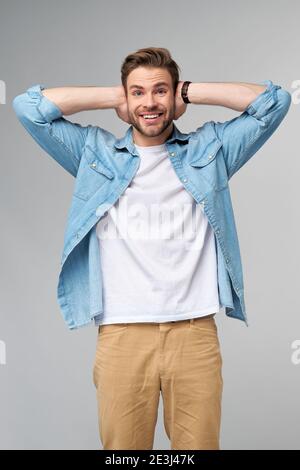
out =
column 217, row 231
column 210, row 157
column 93, row 165
column 227, row 260
column 172, row 154
column 184, row 180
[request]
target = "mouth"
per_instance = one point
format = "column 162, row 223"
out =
column 152, row 120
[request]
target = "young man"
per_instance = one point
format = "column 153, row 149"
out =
column 152, row 285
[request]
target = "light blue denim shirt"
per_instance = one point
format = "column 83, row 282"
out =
column 103, row 166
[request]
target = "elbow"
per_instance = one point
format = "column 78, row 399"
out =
column 285, row 99
column 24, row 107
column 19, row 105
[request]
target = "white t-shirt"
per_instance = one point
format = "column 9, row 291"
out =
column 157, row 249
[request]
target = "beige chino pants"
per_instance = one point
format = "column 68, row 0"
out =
column 135, row 362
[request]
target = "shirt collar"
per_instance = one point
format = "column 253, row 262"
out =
column 127, row 140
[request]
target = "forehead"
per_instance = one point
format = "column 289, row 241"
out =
column 147, row 77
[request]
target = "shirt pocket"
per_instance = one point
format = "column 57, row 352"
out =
column 92, row 174
column 209, row 163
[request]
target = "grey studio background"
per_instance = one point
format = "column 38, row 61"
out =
column 48, row 399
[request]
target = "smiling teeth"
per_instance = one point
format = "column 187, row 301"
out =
column 151, row 116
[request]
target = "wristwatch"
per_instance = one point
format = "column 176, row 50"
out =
column 184, row 90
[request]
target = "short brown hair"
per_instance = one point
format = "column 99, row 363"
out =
column 150, row 57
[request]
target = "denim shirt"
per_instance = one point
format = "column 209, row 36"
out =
column 103, row 167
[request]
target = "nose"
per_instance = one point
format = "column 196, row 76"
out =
column 149, row 101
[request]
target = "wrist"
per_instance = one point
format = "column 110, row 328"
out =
column 119, row 96
column 184, row 92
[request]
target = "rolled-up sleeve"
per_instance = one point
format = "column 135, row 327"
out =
column 62, row 139
column 243, row 135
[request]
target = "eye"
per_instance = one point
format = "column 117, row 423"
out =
column 138, row 91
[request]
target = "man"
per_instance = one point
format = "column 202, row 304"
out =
column 153, row 286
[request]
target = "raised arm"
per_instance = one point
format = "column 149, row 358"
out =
column 236, row 95
column 264, row 106
column 73, row 100
column 40, row 110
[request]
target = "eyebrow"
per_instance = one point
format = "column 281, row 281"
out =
column 155, row 86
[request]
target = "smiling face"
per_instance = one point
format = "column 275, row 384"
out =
column 150, row 91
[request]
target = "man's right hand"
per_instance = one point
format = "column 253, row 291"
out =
column 122, row 108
